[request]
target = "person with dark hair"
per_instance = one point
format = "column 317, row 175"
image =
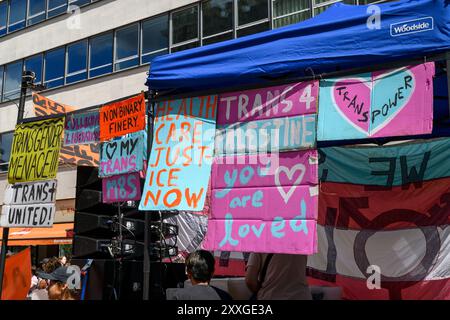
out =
column 57, row 284
column 199, row 270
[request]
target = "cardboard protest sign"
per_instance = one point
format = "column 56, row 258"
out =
column 379, row 104
column 80, row 155
column 122, row 155
column 272, row 119
column 29, row 204
column 35, row 150
column 126, row 187
column 264, row 208
column 123, row 117
column 180, row 162
column 82, row 128
column 17, row 276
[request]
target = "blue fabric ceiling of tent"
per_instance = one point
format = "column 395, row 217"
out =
column 337, row 39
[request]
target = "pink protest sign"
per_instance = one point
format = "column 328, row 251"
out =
column 126, row 187
column 267, row 103
column 385, row 103
column 264, row 203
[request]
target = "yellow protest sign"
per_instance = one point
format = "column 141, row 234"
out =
column 35, row 150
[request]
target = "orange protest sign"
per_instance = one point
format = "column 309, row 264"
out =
column 80, row 155
column 123, row 117
column 17, row 276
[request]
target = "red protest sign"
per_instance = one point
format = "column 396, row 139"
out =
column 122, row 117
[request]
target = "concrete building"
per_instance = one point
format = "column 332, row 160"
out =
column 89, row 52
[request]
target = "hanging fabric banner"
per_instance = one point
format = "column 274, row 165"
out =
column 265, row 200
column 180, row 162
column 379, row 104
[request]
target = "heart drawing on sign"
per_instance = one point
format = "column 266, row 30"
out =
column 370, row 103
column 111, row 149
column 290, row 174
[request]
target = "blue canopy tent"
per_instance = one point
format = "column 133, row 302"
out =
column 343, row 38
column 337, row 39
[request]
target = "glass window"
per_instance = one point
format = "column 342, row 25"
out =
column 56, row 7
column 35, row 64
column 185, row 25
column 1, row 82
column 79, row 2
column 54, row 68
column 285, row 7
column 3, row 17
column 5, row 149
column 17, row 12
column 253, row 29
column 217, row 16
column 101, row 55
column 185, row 46
column 13, row 76
column 252, row 10
column 219, row 38
column 36, row 11
column 127, row 47
column 292, row 18
column 76, row 62
column 155, row 37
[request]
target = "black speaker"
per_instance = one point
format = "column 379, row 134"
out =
column 88, row 247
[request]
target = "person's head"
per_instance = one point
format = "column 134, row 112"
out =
column 63, row 260
column 56, row 290
column 200, row 266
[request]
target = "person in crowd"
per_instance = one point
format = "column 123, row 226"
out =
column 277, row 277
column 51, row 265
column 63, row 261
column 199, row 270
column 57, row 284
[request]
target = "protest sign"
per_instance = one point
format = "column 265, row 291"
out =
column 80, row 155
column 30, row 204
column 122, row 155
column 379, row 104
column 126, row 187
column 35, row 150
column 123, row 117
column 264, row 120
column 180, row 161
column 82, row 128
column 17, row 276
column 271, row 208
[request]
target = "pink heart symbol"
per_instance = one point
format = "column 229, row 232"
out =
column 352, row 100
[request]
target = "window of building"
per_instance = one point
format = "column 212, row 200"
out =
column 250, row 11
column 54, row 68
column 217, row 20
column 34, row 64
column 185, row 27
column 155, row 37
column 253, row 17
column 3, row 17
column 17, row 12
column 1, row 82
column 76, row 62
column 79, row 3
column 36, row 11
column 56, row 7
column 287, row 12
column 127, row 47
column 5, row 149
column 101, row 55
column 13, row 76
